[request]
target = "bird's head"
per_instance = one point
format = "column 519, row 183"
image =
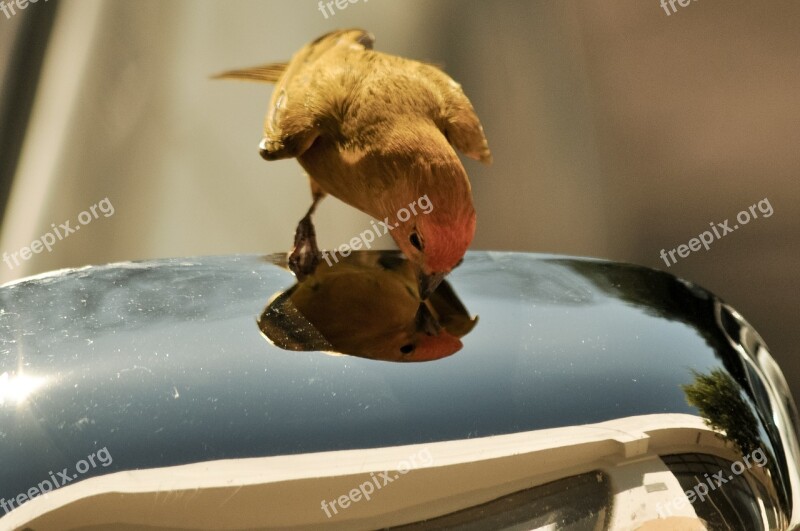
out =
column 436, row 242
column 428, row 199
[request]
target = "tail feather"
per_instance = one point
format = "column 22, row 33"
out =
column 270, row 73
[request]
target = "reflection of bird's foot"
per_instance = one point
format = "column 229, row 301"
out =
column 305, row 255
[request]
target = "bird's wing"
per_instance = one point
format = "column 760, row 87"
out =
column 461, row 125
column 300, row 102
column 272, row 72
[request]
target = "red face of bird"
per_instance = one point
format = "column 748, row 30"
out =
column 436, row 243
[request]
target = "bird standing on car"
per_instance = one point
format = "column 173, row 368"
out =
column 378, row 132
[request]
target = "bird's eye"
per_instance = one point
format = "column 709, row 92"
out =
column 415, row 241
column 407, row 349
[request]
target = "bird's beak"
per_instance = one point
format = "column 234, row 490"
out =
column 429, row 283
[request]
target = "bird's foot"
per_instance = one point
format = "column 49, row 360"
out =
column 305, row 255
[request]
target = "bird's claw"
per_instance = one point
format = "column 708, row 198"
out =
column 305, row 256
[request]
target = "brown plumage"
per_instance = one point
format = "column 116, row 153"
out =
column 376, row 290
column 376, row 131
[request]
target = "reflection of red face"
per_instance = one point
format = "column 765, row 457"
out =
column 435, row 347
column 367, row 305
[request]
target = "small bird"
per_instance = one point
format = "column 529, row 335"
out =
column 335, row 310
column 378, row 132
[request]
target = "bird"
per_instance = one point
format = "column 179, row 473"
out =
column 366, row 305
column 377, row 131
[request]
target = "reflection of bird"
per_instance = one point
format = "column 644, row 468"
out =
column 367, row 305
column 375, row 131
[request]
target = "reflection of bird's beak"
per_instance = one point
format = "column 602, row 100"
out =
column 426, row 322
column 429, row 283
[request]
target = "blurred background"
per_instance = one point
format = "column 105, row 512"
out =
column 618, row 130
